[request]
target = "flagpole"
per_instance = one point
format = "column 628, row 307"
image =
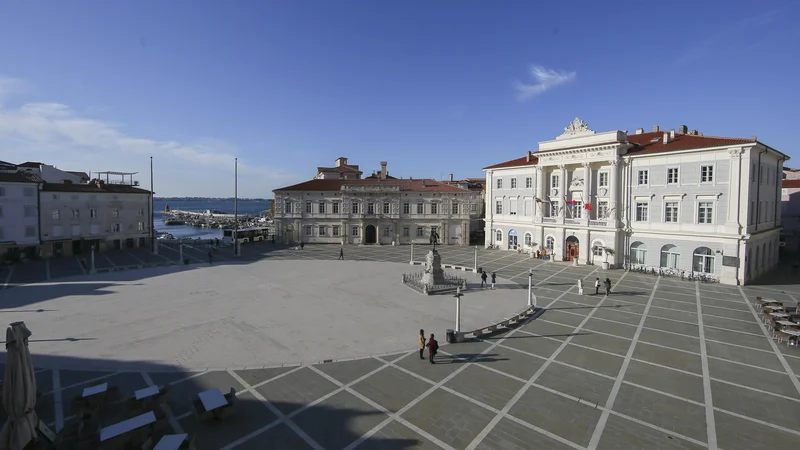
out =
column 235, row 206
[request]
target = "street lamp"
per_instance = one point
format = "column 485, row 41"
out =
column 530, row 288
column 458, row 296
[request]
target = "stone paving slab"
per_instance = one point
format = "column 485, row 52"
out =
column 760, row 410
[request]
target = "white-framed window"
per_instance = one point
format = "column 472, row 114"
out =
column 528, row 183
column 703, row 260
column 498, row 207
column 141, row 226
column 406, row 231
column 420, row 232
column 30, row 231
column 454, row 208
column 528, row 208
column 672, row 175
column 29, row 211
column 354, row 230
column 387, row 208
column 287, row 207
column 406, row 208
column 597, row 249
column 602, row 179
column 56, row 214
column 554, row 209
column 512, row 206
column 434, row 208
column 76, row 213
column 116, row 228
column 554, row 181
column 549, row 242
column 386, row 231
column 671, row 211
column 528, row 240
column 354, row 207
column 706, row 174
column 321, row 207
column 370, row 208
column 642, row 210
column 705, row 212
column 577, row 210
column 322, row 230
column 670, row 256
column 308, row 207
column 602, row 209
column 335, row 207
column 638, row 253
column 473, row 207
column 308, row 230
column 513, row 183
column 644, row 177
column 114, row 213
column 499, row 183
column 335, row 230
column 420, row 208
column 499, row 236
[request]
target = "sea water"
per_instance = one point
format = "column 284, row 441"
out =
column 245, row 207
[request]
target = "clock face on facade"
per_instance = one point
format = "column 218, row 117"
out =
column 603, row 191
column 554, row 191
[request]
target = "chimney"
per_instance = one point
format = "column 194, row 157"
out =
column 655, row 128
column 683, row 129
column 383, row 170
column 639, row 130
column 451, row 177
column 754, row 137
column 672, row 134
column 666, row 137
column 528, row 157
column 693, row 132
column 341, row 161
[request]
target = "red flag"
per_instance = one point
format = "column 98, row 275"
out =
column 588, row 206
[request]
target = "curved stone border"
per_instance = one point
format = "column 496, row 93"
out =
column 517, row 319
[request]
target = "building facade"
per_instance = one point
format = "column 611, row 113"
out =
column 19, row 215
column 661, row 199
column 376, row 210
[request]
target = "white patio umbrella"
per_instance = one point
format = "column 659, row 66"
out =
column 19, row 390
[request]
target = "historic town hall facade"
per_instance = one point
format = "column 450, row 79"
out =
column 661, row 199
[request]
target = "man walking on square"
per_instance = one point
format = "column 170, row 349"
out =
column 210, row 257
column 608, row 286
column 494, row 279
column 483, row 279
column 421, row 343
column 597, row 286
column 433, row 347
column 341, row 254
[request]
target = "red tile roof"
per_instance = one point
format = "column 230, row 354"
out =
column 644, row 142
column 514, row 163
column 790, row 184
column 338, row 169
column 421, row 185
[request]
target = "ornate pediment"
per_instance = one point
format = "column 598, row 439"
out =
column 575, row 127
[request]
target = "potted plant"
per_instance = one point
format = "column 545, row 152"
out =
column 607, row 251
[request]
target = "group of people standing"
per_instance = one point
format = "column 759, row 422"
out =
column 431, row 344
column 484, row 277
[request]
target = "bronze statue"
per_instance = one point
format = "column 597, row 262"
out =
column 434, row 238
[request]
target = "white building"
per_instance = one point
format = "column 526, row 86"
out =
column 667, row 199
column 51, row 174
column 19, row 214
column 377, row 210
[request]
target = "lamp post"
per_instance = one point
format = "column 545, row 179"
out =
column 458, row 296
column 412, row 254
column 235, row 206
column 530, row 288
column 475, row 267
column 91, row 259
column 153, row 241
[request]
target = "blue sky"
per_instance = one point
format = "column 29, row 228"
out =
column 432, row 87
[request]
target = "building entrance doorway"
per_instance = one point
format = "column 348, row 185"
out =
column 573, row 249
column 370, row 234
column 512, row 240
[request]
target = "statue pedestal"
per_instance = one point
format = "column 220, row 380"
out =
column 434, row 274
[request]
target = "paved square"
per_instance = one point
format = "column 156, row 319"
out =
column 660, row 363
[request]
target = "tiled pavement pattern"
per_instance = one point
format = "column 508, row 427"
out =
column 661, row 363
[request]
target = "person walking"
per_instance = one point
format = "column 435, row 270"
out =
column 341, row 254
column 494, row 279
column 421, row 343
column 483, row 279
column 210, row 257
column 580, row 286
column 597, row 286
column 608, row 286
column 302, row 244
column 433, row 347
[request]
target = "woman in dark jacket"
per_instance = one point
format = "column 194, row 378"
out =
column 433, row 348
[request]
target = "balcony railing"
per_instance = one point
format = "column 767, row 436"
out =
column 573, row 221
column 598, row 223
column 549, row 219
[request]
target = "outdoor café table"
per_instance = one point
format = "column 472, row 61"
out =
column 146, row 392
column 170, row 442
column 213, row 399
column 92, row 390
column 774, row 307
column 126, row 426
column 786, row 323
column 779, row 315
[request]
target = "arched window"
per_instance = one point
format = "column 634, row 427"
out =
column 670, row 256
column 638, row 253
column 528, row 240
column 549, row 243
column 703, row 260
column 597, row 248
column 499, row 236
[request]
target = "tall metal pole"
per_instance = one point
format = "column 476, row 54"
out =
column 412, row 254
column 153, row 243
column 475, row 268
column 236, row 206
column 458, row 308
column 530, row 288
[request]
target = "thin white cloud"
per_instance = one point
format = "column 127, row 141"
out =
column 56, row 134
column 544, row 79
